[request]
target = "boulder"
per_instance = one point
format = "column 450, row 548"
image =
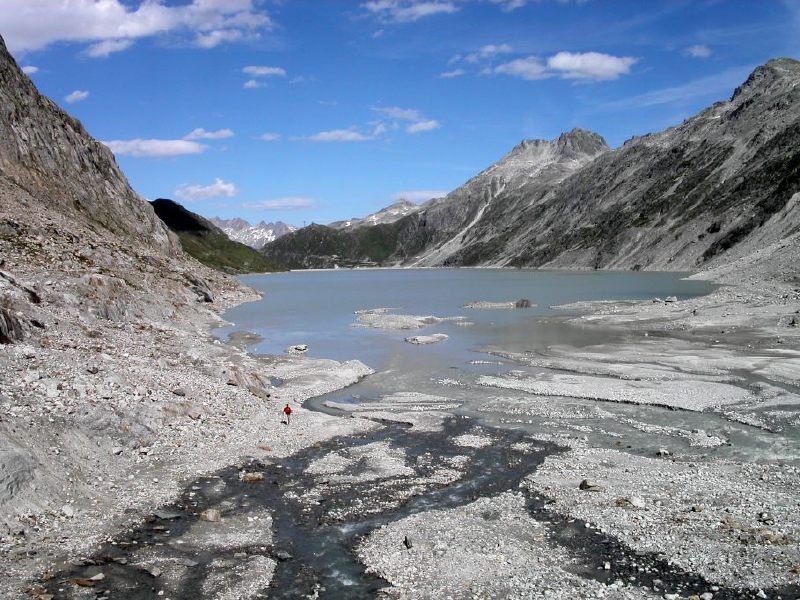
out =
column 200, row 287
column 13, row 328
column 297, row 349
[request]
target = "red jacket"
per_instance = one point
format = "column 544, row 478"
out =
column 287, row 410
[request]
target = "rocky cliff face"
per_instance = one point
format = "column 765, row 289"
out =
column 255, row 236
column 50, row 155
column 720, row 185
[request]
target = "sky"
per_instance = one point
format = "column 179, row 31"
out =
column 320, row 110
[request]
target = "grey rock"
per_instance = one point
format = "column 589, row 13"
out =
column 283, row 555
column 13, row 328
column 589, row 486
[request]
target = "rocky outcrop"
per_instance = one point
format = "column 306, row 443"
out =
column 717, row 187
column 50, row 155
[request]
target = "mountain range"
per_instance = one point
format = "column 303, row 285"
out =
column 255, row 236
column 722, row 183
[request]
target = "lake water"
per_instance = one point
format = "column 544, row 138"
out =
column 318, row 308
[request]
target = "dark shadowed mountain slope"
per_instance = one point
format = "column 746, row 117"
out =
column 52, row 158
column 726, row 178
column 207, row 243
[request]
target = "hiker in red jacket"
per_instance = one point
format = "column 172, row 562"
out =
column 287, row 410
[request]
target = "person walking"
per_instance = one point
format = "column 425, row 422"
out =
column 287, row 410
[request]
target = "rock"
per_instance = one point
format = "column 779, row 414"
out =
column 212, row 515
column 706, row 596
column 252, row 477
column 179, row 392
column 200, row 287
column 283, row 555
column 637, row 502
column 93, row 369
column 522, row 303
column 662, row 452
column 297, row 349
column 671, row 299
column 167, row 514
column 186, row 562
column 116, row 450
column 589, row 486
column 671, row 596
column 426, row 339
column 68, row 511
column 408, row 542
column 12, row 327
column 657, row 300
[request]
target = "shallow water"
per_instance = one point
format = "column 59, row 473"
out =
column 317, row 308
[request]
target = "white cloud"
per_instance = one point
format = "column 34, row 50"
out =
column 590, row 65
column 451, row 74
column 107, row 47
column 218, row 189
column 262, row 71
column 419, row 196
column 593, row 66
column 252, row 84
column 270, row 137
column 420, row 126
column 76, row 96
column 490, row 50
column 406, row 11
column 415, row 119
column 212, row 39
column 338, row 135
column 35, row 24
column 154, row 148
column 395, row 112
column 30, row 70
column 202, row 134
column 290, row 203
column 698, row 51
column 530, row 68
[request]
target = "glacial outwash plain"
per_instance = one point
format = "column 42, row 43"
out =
column 142, row 454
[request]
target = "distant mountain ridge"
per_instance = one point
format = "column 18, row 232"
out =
column 255, row 236
column 390, row 214
column 724, row 182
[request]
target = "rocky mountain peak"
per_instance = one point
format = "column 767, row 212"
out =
column 777, row 73
column 49, row 154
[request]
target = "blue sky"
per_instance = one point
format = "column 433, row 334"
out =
column 318, row 110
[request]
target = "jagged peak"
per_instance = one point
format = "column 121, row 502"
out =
column 569, row 144
column 764, row 76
